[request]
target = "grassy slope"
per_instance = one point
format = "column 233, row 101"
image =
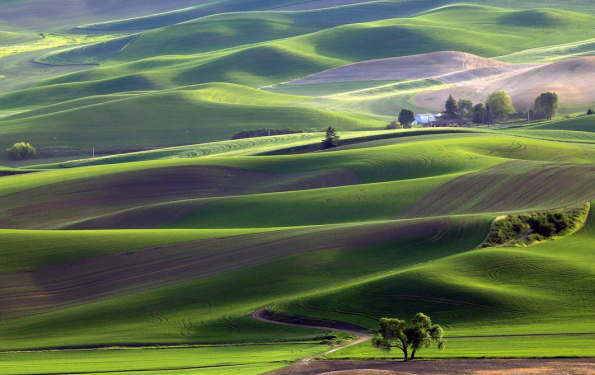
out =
column 204, row 310
column 383, row 101
column 245, row 359
column 581, row 124
column 330, row 268
column 9, row 37
column 46, row 248
column 478, row 290
column 484, row 31
column 278, row 61
column 198, row 114
column 411, row 169
column 267, row 145
column 537, row 290
column 362, row 12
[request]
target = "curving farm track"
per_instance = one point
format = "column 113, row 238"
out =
column 361, row 337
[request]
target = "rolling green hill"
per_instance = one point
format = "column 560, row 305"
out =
column 155, row 261
column 190, row 115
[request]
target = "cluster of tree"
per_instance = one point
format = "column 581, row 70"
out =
column 263, row 133
column 331, row 138
column 590, row 111
column 542, row 226
column 395, row 333
column 21, row 151
column 497, row 106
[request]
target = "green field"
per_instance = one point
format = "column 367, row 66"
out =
column 153, row 257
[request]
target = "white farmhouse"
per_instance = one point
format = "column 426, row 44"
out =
column 424, row 118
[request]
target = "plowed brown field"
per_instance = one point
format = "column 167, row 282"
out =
column 453, row 367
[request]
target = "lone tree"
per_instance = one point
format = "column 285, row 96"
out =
column 406, row 117
column 331, row 139
column 451, row 109
column 394, row 333
column 546, row 105
column 21, row 151
column 500, row 105
column 590, row 111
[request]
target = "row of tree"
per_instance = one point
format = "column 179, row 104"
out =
column 499, row 106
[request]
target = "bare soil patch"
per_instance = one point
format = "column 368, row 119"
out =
column 447, row 66
column 450, row 367
column 569, row 79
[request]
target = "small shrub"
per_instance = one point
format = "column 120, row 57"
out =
column 393, row 125
column 21, row 151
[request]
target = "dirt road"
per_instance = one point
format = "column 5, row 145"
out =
column 258, row 315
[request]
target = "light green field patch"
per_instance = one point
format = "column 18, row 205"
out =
column 203, row 113
column 370, row 202
column 551, row 54
column 384, row 101
column 487, row 347
column 26, row 250
column 210, row 360
column 50, row 40
column 324, row 89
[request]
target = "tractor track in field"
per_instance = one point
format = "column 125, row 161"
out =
column 362, row 337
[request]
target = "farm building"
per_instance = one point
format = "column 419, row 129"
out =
column 447, row 123
column 424, row 118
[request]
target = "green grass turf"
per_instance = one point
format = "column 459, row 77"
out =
column 26, row 250
column 370, row 202
column 485, row 31
column 9, row 37
column 574, row 136
column 267, row 145
column 489, row 347
column 374, row 165
column 407, row 266
column 471, row 291
column 384, row 101
column 267, row 63
column 501, row 174
column 324, row 89
column 362, row 12
column 199, row 114
column 94, row 53
column 517, row 186
column 551, row 54
column 214, row 309
column 580, row 124
column 211, row 360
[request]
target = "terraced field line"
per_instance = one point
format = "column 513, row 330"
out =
column 362, row 337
